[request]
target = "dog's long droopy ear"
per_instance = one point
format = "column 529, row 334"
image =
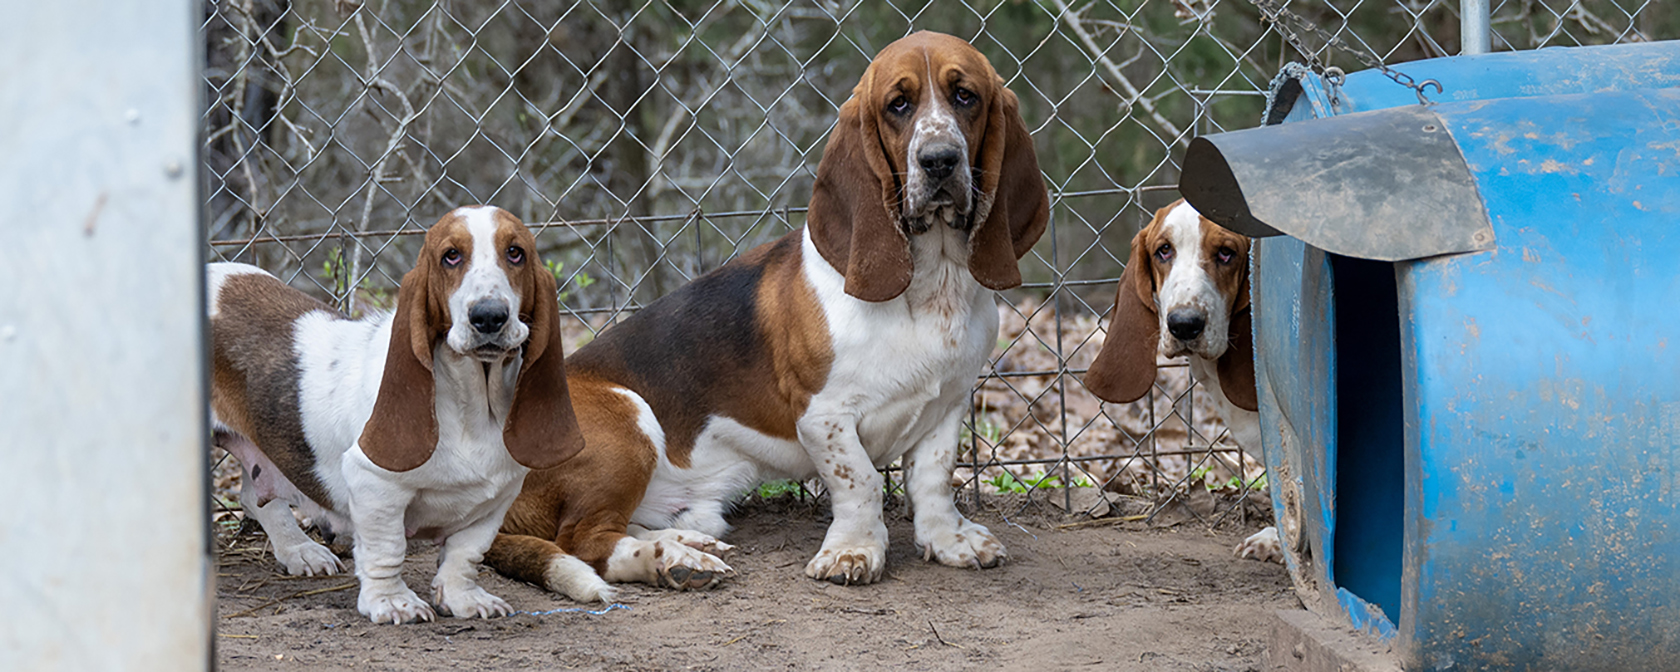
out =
column 853, row 218
column 1236, row 366
column 402, row 433
column 1125, row 369
column 542, row 429
column 1013, row 206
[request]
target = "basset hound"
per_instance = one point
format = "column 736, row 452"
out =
column 1185, row 292
column 419, row 423
column 847, row 344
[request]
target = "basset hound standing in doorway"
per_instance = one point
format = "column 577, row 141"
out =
column 1185, row 292
column 845, row 345
column 418, row 423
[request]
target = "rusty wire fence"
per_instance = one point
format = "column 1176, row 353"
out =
column 649, row 141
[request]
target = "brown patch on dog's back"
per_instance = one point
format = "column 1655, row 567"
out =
column 254, row 384
column 746, row 341
column 791, row 321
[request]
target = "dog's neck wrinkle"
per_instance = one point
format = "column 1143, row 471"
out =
column 469, row 379
column 940, row 282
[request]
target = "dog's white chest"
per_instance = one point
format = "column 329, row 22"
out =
column 467, row 490
column 901, row 366
column 471, row 471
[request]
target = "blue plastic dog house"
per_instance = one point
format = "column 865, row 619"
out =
column 1468, row 350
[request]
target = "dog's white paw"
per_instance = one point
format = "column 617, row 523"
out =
column 685, row 567
column 393, row 606
column 969, row 544
column 467, row 600
column 849, row 565
column 1264, row 546
column 308, row 559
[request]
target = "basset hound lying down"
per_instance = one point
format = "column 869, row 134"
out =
column 1185, row 292
column 418, row 423
column 845, row 345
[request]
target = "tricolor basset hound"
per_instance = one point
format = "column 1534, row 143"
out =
column 418, row 423
column 1185, row 292
column 842, row 347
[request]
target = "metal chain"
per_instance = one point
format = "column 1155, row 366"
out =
column 1284, row 20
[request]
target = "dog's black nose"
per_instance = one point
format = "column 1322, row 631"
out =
column 1186, row 324
column 939, row 161
column 487, row 317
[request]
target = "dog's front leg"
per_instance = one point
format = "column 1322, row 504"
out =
column 942, row 533
column 855, row 550
column 455, row 589
column 377, row 508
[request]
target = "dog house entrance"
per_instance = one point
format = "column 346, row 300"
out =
column 1370, row 434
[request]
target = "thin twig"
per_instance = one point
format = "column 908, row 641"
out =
column 1100, row 522
column 278, row 600
column 374, row 81
column 558, row 123
column 297, row 133
column 941, row 639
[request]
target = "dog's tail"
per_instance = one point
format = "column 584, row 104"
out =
column 540, row 561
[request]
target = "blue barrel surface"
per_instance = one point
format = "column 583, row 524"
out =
column 1496, row 484
column 1543, row 393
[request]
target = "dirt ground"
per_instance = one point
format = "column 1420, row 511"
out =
column 1103, row 594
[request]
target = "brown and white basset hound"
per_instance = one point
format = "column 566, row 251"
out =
column 1185, row 292
column 418, row 423
column 842, row 347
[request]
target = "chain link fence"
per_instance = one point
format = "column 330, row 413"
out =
column 650, row 141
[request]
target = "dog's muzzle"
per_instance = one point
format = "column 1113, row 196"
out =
column 1186, row 325
column 942, row 196
column 1187, row 333
column 488, row 317
column 939, row 161
column 493, row 334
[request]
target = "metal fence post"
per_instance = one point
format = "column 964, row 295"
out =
column 102, row 458
column 1473, row 26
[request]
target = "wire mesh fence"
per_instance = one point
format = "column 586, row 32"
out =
column 649, row 141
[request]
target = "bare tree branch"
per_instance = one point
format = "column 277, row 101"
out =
column 374, row 81
column 1075, row 22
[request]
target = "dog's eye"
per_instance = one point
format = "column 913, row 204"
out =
column 451, row 258
column 964, row 97
column 1225, row 255
column 515, row 255
column 899, row 105
column 1164, row 252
